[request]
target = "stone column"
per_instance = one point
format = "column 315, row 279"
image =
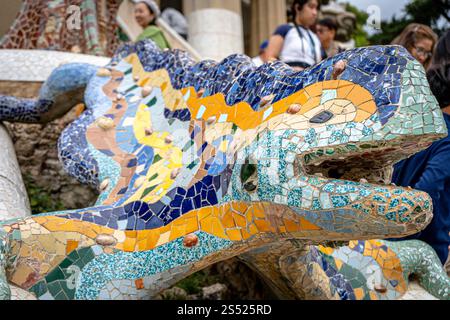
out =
column 13, row 196
column 266, row 16
column 215, row 27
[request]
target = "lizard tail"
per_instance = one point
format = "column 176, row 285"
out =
column 419, row 259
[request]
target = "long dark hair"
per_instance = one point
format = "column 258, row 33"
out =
column 415, row 32
column 439, row 73
column 442, row 53
column 301, row 4
column 153, row 22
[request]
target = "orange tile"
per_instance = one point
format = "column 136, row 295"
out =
column 131, row 234
column 344, row 91
column 228, row 221
column 177, row 232
column 192, row 225
column 252, row 229
column 331, row 84
column 368, row 106
column 129, row 245
column 361, row 116
column 306, row 225
column 234, row 235
column 359, row 95
column 291, row 226
column 204, row 212
column 245, row 234
column 71, row 245
column 314, row 90
column 311, row 104
column 373, row 296
column 139, row 284
column 240, row 207
column 206, row 225
column 218, row 229
column 240, row 220
column 142, row 245
column 259, row 211
column 262, row 225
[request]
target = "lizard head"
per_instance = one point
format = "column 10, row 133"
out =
column 326, row 151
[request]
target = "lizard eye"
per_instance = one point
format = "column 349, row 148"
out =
column 322, row 117
column 249, row 176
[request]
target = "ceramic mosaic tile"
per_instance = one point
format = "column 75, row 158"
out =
column 197, row 163
column 52, row 25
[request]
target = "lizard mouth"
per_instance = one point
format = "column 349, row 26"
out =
column 361, row 162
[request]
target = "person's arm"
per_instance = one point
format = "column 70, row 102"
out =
column 276, row 42
column 274, row 48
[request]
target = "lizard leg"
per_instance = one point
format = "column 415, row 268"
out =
column 420, row 259
column 61, row 91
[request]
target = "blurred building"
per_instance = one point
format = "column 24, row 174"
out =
column 217, row 28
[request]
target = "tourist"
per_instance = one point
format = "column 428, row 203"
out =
column 419, row 40
column 429, row 170
column 295, row 43
column 262, row 57
column 146, row 13
column 176, row 20
column 326, row 31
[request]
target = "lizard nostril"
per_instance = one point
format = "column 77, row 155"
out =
column 250, row 186
column 380, row 288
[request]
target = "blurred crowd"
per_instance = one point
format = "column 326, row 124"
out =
column 306, row 41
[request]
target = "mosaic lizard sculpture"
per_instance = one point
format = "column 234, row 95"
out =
column 197, row 163
column 58, row 25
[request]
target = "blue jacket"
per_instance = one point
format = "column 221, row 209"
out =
column 429, row 171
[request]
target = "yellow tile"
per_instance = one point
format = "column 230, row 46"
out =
column 373, row 296
column 192, row 225
column 177, row 232
column 359, row 293
column 163, row 238
column 142, row 245
column 129, row 245
column 206, row 225
column 339, row 263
